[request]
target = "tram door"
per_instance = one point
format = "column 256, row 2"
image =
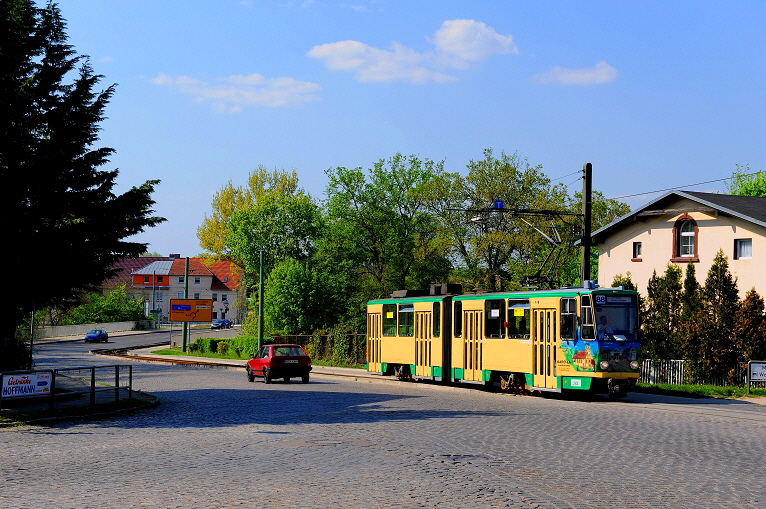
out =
column 545, row 344
column 423, row 337
column 374, row 334
column 472, row 345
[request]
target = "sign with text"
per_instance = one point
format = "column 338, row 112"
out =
column 757, row 371
column 191, row 310
column 30, row 384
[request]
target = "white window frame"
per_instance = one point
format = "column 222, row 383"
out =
column 739, row 244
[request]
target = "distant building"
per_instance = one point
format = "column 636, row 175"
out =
column 158, row 280
column 686, row 227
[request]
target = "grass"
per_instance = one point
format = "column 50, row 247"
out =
column 700, row 391
column 35, row 414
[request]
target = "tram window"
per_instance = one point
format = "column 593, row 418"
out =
column 494, row 318
column 406, row 320
column 586, row 314
column 457, row 313
column 568, row 318
column 389, row 319
column 518, row 319
column 437, row 319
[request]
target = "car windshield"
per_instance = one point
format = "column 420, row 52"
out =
column 94, row 331
column 285, row 351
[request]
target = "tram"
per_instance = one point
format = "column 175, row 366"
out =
column 561, row 340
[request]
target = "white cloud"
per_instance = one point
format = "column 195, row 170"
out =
column 457, row 44
column 231, row 94
column 598, row 75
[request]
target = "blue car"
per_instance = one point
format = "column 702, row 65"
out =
column 97, row 336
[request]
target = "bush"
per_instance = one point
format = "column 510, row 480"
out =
column 222, row 347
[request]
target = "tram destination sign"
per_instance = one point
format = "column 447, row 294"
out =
column 191, row 310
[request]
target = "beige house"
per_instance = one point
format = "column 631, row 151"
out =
column 683, row 227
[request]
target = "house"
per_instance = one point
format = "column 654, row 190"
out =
column 161, row 280
column 686, row 227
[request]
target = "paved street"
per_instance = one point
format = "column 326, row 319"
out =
column 217, row 441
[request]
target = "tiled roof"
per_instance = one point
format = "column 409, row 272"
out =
column 126, row 267
column 161, row 267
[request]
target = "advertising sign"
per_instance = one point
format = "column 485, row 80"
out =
column 31, row 384
column 757, row 371
column 191, row 310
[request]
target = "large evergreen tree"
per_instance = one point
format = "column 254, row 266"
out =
column 722, row 300
column 60, row 213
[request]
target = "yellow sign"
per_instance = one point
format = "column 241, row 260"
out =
column 191, row 310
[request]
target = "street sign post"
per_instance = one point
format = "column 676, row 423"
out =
column 191, row 310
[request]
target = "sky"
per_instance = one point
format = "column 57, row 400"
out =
column 655, row 94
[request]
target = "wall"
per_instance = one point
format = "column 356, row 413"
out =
column 81, row 330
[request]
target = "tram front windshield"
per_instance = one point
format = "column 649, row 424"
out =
column 616, row 317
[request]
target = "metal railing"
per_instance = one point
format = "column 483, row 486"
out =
column 675, row 372
column 69, row 386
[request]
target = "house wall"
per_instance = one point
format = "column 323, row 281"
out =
column 203, row 288
column 656, row 236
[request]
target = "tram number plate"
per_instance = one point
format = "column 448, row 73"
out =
column 291, row 361
column 575, row 383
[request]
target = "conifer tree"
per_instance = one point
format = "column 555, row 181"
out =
column 66, row 224
column 692, row 323
column 719, row 351
column 750, row 328
column 663, row 309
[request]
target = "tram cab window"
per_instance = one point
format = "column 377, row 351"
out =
column 568, row 318
column 518, row 318
column 406, row 320
column 437, row 319
column 586, row 314
column 389, row 319
column 457, row 313
column 494, row 318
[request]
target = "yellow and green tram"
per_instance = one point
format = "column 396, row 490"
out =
column 568, row 339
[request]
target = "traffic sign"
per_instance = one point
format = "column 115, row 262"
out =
column 191, row 310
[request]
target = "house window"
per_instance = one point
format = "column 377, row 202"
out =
column 224, row 297
column 181, row 279
column 685, row 240
column 215, row 297
column 196, row 295
column 196, row 280
column 146, row 280
column 743, row 249
column 636, row 251
column 159, row 280
column 158, row 297
column 180, row 295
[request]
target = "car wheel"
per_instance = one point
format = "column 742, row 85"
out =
column 250, row 375
column 305, row 378
column 266, row 375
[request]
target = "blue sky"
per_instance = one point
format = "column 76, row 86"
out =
column 656, row 94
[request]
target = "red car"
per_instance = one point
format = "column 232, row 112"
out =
column 279, row 361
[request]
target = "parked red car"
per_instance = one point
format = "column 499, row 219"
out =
column 279, row 361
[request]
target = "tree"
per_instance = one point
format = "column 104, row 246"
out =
column 61, row 202
column 116, row 306
column 378, row 223
column 660, row 325
column 750, row 328
column 744, row 183
column 692, row 324
column 494, row 250
column 282, row 225
column 213, row 231
column 722, row 299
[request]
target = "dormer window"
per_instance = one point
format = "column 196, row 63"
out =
column 685, row 240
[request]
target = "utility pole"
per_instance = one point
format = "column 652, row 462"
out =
column 185, row 333
column 585, row 243
column 260, row 300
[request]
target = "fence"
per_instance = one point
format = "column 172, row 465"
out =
column 675, row 372
column 68, row 386
column 349, row 347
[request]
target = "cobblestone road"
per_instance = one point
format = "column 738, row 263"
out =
column 217, row 441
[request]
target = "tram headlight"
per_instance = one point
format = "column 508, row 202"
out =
column 633, row 364
column 604, row 365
